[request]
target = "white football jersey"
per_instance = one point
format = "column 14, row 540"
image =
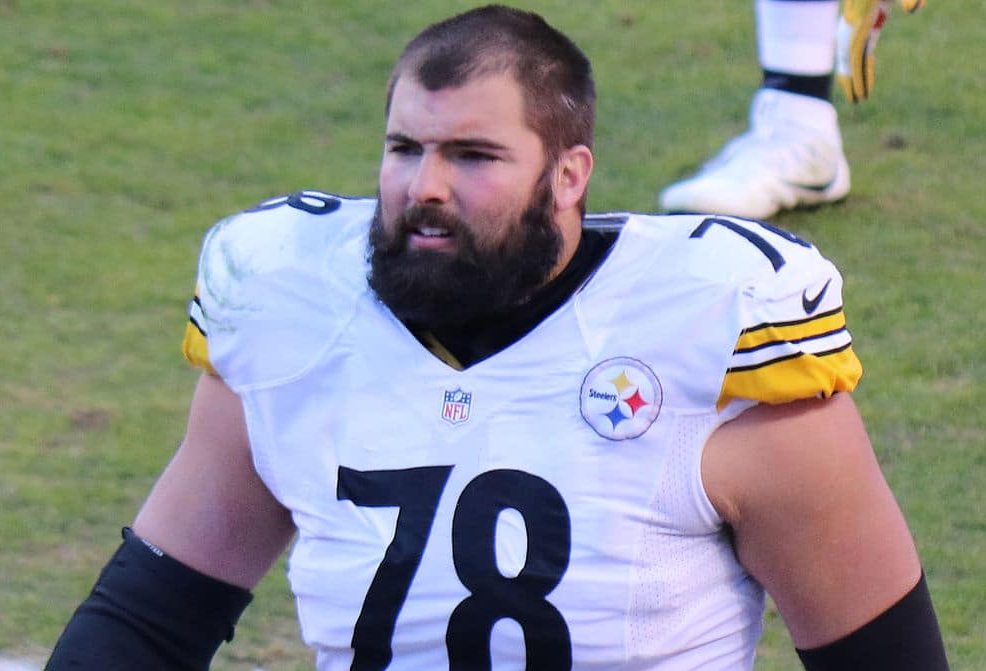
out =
column 543, row 508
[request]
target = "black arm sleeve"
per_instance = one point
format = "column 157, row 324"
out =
column 905, row 637
column 150, row 612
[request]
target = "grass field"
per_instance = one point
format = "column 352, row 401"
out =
column 127, row 128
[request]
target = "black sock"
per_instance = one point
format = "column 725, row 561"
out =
column 816, row 86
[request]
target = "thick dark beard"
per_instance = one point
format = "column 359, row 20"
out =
column 438, row 289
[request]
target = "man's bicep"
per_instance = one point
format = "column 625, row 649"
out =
column 814, row 519
column 209, row 509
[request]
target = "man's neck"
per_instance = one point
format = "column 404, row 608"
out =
column 462, row 345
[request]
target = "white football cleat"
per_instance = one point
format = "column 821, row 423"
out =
column 790, row 157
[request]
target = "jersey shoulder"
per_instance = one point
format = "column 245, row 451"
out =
column 792, row 339
column 294, row 230
column 265, row 264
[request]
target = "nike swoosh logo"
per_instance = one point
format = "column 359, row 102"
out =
column 811, row 304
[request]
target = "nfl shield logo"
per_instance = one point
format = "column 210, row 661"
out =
column 455, row 409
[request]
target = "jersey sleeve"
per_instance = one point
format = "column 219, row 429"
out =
column 195, row 344
column 794, row 342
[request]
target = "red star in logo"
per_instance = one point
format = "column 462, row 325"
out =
column 636, row 402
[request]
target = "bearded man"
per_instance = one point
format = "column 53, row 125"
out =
column 506, row 434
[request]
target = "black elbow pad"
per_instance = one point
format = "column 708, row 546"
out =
column 905, row 637
column 149, row 612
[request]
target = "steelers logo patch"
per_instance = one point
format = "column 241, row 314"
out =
column 620, row 398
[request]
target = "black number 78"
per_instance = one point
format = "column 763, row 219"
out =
column 416, row 493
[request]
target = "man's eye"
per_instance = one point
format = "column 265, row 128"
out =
column 403, row 149
column 477, row 156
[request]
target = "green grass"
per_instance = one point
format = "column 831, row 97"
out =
column 127, row 128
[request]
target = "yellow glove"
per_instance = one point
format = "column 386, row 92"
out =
column 859, row 29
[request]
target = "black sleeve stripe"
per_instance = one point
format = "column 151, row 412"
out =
column 198, row 327
column 795, row 341
column 795, row 355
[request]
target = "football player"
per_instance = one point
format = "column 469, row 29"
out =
column 792, row 153
column 505, row 434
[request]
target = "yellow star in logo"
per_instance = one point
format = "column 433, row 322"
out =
column 622, row 382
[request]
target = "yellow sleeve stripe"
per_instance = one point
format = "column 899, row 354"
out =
column 763, row 335
column 779, row 362
column 195, row 347
column 766, row 344
column 798, row 376
column 195, row 344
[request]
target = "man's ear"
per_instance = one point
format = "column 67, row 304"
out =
column 571, row 178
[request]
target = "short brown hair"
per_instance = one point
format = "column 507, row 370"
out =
column 554, row 75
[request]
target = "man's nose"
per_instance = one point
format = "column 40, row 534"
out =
column 430, row 182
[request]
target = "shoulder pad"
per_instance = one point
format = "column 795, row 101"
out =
column 266, row 267
column 792, row 341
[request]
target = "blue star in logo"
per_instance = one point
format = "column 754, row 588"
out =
column 615, row 415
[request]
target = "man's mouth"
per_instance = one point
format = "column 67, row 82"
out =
column 433, row 232
column 434, row 238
